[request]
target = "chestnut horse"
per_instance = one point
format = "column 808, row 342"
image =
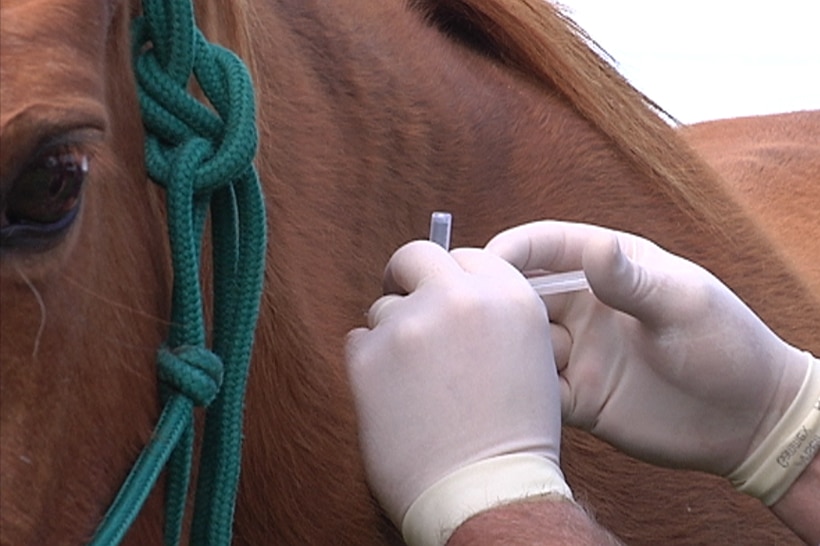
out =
column 372, row 113
column 772, row 164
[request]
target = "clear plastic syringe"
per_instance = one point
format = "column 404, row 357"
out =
column 559, row 283
column 441, row 225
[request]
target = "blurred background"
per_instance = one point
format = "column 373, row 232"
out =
column 710, row 59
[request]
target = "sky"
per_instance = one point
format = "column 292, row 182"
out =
column 711, row 59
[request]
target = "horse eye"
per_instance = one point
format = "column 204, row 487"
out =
column 48, row 190
column 45, row 197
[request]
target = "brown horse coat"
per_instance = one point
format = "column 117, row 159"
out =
column 772, row 166
column 372, row 114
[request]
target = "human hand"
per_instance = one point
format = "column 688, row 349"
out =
column 663, row 361
column 456, row 390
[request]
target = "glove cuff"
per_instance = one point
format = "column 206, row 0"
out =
column 439, row 510
column 788, row 449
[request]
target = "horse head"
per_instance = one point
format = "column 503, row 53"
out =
column 84, row 274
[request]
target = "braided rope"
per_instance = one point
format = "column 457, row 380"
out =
column 203, row 159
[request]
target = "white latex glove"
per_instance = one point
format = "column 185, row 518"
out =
column 456, row 390
column 664, row 361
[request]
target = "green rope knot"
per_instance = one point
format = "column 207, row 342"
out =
column 173, row 116
column 169, row 110
column 203, row 157
column 194, row 372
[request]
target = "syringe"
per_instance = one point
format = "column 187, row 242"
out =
column 559, row 283
column 441, row 225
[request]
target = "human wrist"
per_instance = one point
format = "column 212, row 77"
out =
column 800, row 504
column 439, row 510
column 547, row 520
column 788, row 448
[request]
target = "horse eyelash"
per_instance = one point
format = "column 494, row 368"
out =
column 81, row 142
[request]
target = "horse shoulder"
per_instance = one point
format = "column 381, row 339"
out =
column 771, row 164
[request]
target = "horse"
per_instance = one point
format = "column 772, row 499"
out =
column 371, row 114
column 768, row 163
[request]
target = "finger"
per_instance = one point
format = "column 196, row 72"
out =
column 573, row 412
column 380, row 309
column 561, row 345
column 548, row 245
column 622, row 283
column 561, row 305
column 415, row 262
column 565, row 387
column 363, row 358
column 480, row 262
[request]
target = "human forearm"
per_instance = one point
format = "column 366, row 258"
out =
column 800, row 504
column 544, row 521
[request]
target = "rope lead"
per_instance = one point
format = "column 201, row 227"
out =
column 204, row 160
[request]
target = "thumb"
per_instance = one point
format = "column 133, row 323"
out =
column 620, row 282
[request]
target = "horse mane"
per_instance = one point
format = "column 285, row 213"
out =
column 540, row 41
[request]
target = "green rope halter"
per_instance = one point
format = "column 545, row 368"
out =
column 203, row 159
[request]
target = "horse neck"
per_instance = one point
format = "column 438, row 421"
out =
column 364, row 133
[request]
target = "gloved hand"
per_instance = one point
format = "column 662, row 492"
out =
column 664, row 361
column 456, row 390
